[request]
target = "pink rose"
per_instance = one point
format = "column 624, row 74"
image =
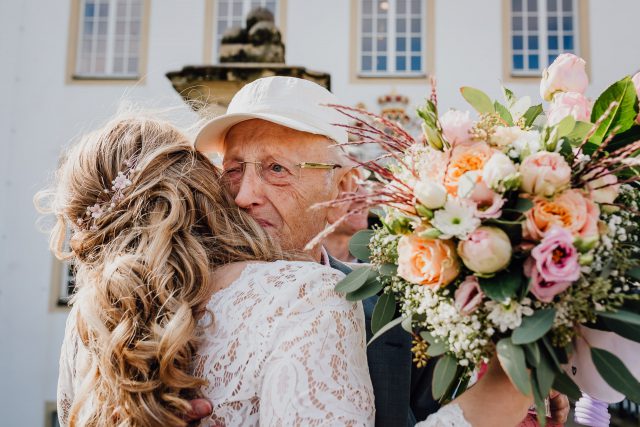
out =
column 487, row 250
column 456, row 126
column 570, row 210
column 566, row 74
column 488, row 202
column 603, row 186
column 556, row 257
column 636, row 83
column 544, row 291
column 430, row 262
column 544, row 174
column 569, row 104
column 468, row 295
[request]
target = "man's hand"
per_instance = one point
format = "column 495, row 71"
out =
column 200, row 408
column 559, row 405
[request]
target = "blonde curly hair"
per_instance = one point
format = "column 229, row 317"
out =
column 143, row 270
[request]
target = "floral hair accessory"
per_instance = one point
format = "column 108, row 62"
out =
column 102, row 206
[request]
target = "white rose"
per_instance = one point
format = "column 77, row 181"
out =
column 498, row 168
column 527, row 143
column 430, row 194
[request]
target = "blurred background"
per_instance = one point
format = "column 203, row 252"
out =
column 66, row 66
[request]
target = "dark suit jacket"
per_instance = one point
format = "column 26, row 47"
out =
column 402, row 391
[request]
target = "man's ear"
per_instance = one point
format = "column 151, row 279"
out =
column 348, row 185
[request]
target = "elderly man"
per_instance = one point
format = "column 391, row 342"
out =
column 279, row 159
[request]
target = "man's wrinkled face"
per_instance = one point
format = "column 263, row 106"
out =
column 271, row 186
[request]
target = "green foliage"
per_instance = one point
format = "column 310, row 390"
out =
column 505, row 285
column 478, row 100
column 616, row 374
column 622, row 116
column 443, row 375
column 383, row 312
column 512, row 359
column 534, row 327
column 359, row 245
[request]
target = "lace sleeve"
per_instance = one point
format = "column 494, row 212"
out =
column 66, row 371
column 448, row 416
column 316, row 373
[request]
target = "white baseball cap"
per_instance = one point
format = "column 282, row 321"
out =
column 288, row 101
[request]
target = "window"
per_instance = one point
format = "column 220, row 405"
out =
column 232, row 13
column 540, row 31
column 68, row 284
column 391, row 38
column 109, row 39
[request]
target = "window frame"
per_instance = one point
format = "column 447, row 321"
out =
column 428, row 51
column 391, row 36
column 580, row 34
column 76, row 23
column 210, row 46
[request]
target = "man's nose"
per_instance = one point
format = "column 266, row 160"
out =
column 249, row 190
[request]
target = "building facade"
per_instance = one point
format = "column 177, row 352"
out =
column 68, row 64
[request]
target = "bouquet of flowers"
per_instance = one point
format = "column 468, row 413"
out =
column 512, row 232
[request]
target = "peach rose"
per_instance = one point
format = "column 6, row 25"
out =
column 566, row 74
column 486, row 251
column 465, row 158
column 544, row 174
column 570, row 210
column 430, row 262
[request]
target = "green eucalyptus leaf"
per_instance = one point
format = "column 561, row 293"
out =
column 395, row 322
column 623, row 114
column 623, row 323
column 531, row 114
column 407, row 324
column 436, row 349
column 426, row 335
column 503, row 112
column 371, row 287
column 353, row 281
column 534, row 327
column 504, row 285
column 478, row 99
column 538, row 399
column 383, row 312
column 615, row 373
column 359, row 245
column 545, row 374
column 443, row 375
column 532, row 354
column 550, row 351
column 565, row 385
column 388, row 269
column 512, row 360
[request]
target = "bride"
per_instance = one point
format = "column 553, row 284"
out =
column 181, row 295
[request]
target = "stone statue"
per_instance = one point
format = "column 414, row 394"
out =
column 260, row 41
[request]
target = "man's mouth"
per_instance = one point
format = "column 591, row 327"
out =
column 264, row 223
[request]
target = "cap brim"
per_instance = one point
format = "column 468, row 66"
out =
column 211, row 137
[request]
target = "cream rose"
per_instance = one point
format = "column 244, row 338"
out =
column 487, row 250
column 430, row 262
column 430, row 194
column 497, row 169
column 544, row 174
column 566, row 74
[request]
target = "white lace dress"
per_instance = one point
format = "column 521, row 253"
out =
column 282, row 349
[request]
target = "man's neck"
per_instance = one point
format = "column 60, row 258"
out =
column 338, row 246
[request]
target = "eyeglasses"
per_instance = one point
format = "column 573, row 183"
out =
column 272, row 172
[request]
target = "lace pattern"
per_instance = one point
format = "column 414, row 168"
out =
column 448, row 416
column 279, row 347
